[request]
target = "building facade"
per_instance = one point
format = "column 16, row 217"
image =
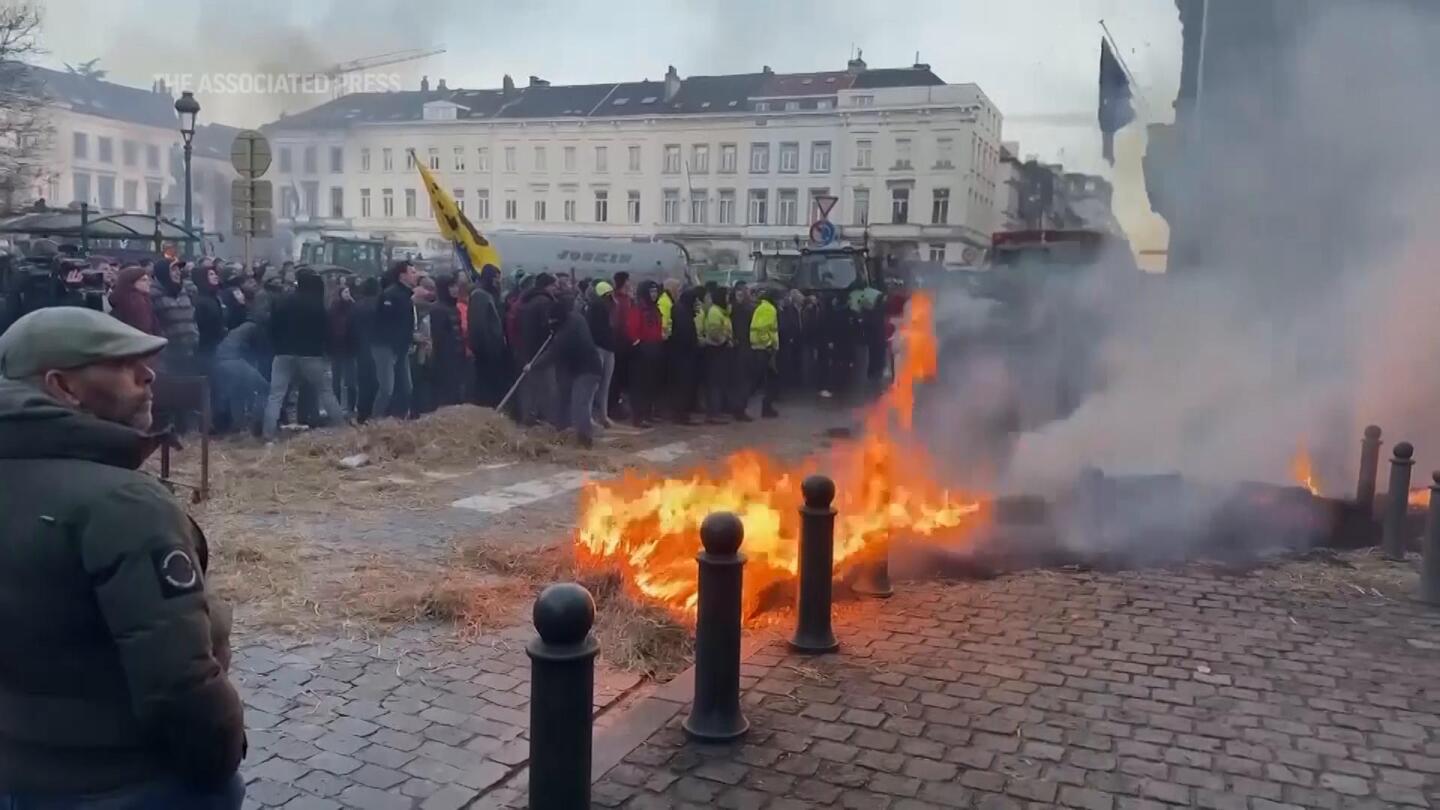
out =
column 722, row 164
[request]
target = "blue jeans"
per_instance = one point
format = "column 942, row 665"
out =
column 154, row 796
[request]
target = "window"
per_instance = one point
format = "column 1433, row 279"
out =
column 539, row 158
column 634, row 158
column 512, row 209
column 80, row 145
column 864, row 101
column 700, row 158
column 433, row 155
column 365, row 202
column 482, row 204
column 787, row 208
column 289, row 202
column 510, row 159
column 129, row 152
column 387, row 159
column 482, row 159
column 107, row 190
column 285, row 159
column 727, row 206
column 699, row 207
column 945, row 153
column 152, row 156
column 459, row 195
column 569, row 209
column 900, row 206
column 789, row 158
column 824, row 104
column 792, row 106
column 152, row 192
column 902, row 153
column 409, row 159
column 672, row 159
column 410, row 203
column 862, row 206
column 569, row 158
column 132, row 195
column 864, row 154
column 459, row 158
column 759, row 200
column 670, row 206
column 940, row 207
column 602, row 203
column 337, row 160
column 937, row 252
column 539, row 210
column 309, row 157
column 632, row 207
column 312, row 198
column 759, row 158
column 106, row 149
column 820, row 157
column 762, row 106
column 365, row 159
column 602, row 159
column 337, row 202
column 727, row 158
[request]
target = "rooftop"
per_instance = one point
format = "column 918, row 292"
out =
column 106, row 99
column 695, row 95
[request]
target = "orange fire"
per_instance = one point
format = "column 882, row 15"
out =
column 648, row 527
column 1303, row 472
column 1420, row 498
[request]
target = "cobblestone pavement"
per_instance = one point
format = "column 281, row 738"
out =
column 1143, row 690
column 412, row 721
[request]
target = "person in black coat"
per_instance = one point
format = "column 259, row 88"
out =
column 791, row 334
column 448, row 343
column 600, row 313
column 299, row 337
column 572, row 352
column 538, row 398
column 684, row 355
column 493, row 371
column 391, row 339
column 362, row 334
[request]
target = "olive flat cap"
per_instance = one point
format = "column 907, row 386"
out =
column 63, row 338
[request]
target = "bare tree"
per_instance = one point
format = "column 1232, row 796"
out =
column 88, row 70
column 25, row 130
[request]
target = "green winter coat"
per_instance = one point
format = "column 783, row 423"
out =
column 114, row 652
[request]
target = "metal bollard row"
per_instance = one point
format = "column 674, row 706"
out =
column 1397, row 502
column 562, row 697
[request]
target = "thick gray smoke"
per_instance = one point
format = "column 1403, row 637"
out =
column 1315, row 308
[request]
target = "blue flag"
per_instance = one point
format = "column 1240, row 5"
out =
column 1115, row 109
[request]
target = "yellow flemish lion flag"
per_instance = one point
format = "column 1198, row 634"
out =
column 472, row 249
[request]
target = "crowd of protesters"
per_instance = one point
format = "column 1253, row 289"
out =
column 283, row 344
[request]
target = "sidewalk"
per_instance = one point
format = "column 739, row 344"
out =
column 1138, row 690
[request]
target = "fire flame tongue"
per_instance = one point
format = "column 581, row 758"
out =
column 648, row 527
column 1303, row 471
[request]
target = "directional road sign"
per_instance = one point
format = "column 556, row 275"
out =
column 250, row 154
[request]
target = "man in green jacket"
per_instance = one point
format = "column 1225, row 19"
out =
column 113, row 687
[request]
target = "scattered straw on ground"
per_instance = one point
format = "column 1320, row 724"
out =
column 1362, row 573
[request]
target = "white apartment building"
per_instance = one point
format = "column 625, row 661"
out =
column 117, row 148
column 722, row 164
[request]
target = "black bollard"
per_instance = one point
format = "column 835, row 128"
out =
column 1369, row 471
column 1397, row 502
column 562, row 694
column 1430, row 563
column 813, row 633
column 715, row 713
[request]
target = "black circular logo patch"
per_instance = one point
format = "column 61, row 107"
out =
column 177, row 572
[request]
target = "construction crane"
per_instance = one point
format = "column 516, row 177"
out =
column 378, row 60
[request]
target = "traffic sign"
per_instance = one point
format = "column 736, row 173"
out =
column 259, row 224
column 250, row 154
column 823, row 232
column 825, row 202
column 256, row 194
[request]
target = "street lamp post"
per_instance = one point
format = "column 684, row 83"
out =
column 187, row 108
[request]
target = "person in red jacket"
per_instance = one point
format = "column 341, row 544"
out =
column 644, row 328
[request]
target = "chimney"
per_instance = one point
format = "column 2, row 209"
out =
column 765, row 69
column 922, row 65
column 441, row 86
column 536, row 81
column 508, row 85
column 672, row 84
column 856, row 65
column 424, row 84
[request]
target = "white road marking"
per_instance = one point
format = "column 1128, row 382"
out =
column 527, row 492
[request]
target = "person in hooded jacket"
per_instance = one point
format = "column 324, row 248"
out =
column 448, row 342
column 298, row 337
column 174, row 306
column 235, row 373
column 572, row 351
column 209, row 312
column 683, row 346
column 130, row 300
column 601, row 316
column 342, row 345
column 647, row 355
column 538, row 396
column 234, row 300
column 487, row 339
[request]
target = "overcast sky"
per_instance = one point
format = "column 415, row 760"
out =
column 1032, row 57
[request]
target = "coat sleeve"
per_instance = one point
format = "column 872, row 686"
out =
column 141, row 553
